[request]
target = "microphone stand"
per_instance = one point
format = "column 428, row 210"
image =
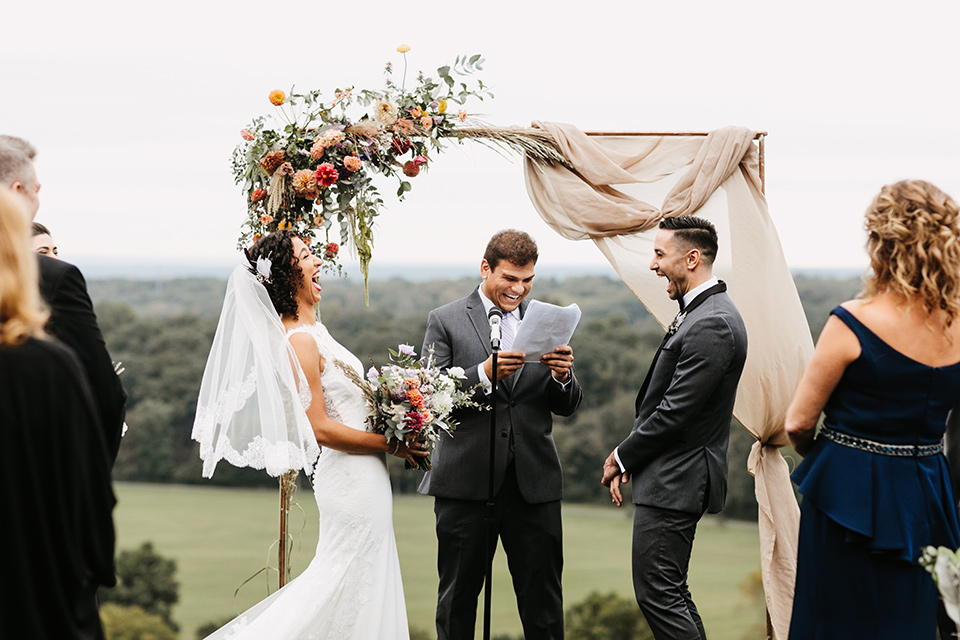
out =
column 491, row 507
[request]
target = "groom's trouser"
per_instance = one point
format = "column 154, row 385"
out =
column 533, row 541
column 662, row 542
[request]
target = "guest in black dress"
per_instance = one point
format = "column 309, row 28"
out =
column 56, row 499
column 875, row 483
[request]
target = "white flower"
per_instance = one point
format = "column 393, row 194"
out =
column 407, row 350
column 372, row 374
column 442, row 403
column 385, row 113
column 263, row 267
column 456, row 372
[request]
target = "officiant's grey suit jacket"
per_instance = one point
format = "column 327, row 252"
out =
column 677, row 450
column 460, row 335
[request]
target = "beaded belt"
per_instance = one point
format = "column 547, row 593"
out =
column 871, row 446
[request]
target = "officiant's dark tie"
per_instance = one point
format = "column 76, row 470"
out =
column 696, row 302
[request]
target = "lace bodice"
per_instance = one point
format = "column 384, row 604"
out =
column 343, row 398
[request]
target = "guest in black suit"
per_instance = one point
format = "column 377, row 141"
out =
column 72, row 319
column 55, row 492
column 527, row 478
column 677, row 450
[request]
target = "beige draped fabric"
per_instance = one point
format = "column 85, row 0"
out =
column 610, row 199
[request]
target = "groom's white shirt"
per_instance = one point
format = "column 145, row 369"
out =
column 688, row 297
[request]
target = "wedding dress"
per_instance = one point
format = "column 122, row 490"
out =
column 352, row 588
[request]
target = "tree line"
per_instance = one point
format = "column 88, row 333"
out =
column 162, row 331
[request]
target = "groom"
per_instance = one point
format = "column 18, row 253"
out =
column 677, row 450
column 527, row 478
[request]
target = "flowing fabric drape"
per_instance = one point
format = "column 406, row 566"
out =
column 608, row 198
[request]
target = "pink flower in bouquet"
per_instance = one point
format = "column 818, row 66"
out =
column 416, row 112
column 277, row 97
column 285, row 169
column 411, row 169
column 246, row 135
column 331, row 250
column 463, row 115
column 420, row 160
column 427, row 417
column 305, row 184
column 416, row 398
column 352, row 163
column 372, row 374
column 414, row 421
column 327, row 175
column 258, row 195
column 333, row 137
column 404, row 126
column 316, row 151
column 426, row 122
column 400, row 146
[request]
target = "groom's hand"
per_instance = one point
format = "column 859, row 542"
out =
column 508, row 363
column 613, row 478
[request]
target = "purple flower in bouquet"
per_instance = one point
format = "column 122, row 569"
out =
column 406, row 350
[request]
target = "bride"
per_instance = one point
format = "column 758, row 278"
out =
column 249, row 413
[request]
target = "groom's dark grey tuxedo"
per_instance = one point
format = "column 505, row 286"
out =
column 527, row 480
column 677, row 454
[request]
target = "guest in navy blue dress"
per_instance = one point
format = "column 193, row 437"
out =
column 875, row 483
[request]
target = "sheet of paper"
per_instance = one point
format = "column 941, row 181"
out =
column 545, row 327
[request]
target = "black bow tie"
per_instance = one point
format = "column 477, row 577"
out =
column 681, row 303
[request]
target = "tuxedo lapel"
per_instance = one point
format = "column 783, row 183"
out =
column 720, row 287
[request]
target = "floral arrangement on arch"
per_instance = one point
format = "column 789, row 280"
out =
column 315, row 165
column 412, row 399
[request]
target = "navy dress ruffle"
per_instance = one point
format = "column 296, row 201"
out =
column 866, row 517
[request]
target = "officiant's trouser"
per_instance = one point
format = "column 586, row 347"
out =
column 533, row 541
column 662, row 542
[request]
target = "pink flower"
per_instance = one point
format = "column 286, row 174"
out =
column 286, row 169
column 426, row 122
column 411, row 169
column 352, row 163
column 246, row 135
column 327, row 175
column 266, row 219
column 316, row 151
column 463, row 115
column 305, row 184
column 419, row 160
column 414, row 421
column 332, row 137
column 331, row 250
column 258, row 195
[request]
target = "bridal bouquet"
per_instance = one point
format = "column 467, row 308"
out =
column 411, row 399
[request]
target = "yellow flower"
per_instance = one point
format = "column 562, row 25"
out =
column 442, row 106
column 277, row 97
column 403, row 48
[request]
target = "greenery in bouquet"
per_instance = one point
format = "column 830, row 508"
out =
column 412, row 399
column 311, row 165
column 944, row 565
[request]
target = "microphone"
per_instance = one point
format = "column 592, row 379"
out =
column 495, row 316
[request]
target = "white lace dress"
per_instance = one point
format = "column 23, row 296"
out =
column 352, row 588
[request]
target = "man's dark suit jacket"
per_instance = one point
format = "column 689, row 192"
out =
column 677, row 451
column 460, row 335
column 74, row 323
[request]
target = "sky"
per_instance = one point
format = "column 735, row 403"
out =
column 135, row 109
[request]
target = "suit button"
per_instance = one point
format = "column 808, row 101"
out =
column 503, row 434
column 513, row 404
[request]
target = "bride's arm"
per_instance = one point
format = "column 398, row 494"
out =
column 330, row 433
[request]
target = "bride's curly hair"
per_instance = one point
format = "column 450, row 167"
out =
column 286, row 277
column 914, row 247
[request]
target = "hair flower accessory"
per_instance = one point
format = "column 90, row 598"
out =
column 264, row 266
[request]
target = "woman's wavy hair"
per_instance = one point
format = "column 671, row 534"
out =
column 22, row 313
column 913, row 245
column 286, row 277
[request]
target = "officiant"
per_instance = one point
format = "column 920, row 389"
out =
column 527, row 479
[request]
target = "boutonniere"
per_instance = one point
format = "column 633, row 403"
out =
column 675, row 325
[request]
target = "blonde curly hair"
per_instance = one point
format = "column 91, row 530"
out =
column 913, row 243
column 21, row 311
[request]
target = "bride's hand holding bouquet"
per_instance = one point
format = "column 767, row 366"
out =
column 411, row 401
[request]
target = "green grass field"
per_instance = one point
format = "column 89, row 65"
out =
column 220, row 537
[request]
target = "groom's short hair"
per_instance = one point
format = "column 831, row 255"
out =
column 511, row 245
column 692, row 232
column 16, row 156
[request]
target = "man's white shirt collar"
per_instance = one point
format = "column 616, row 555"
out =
column 691, row 295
